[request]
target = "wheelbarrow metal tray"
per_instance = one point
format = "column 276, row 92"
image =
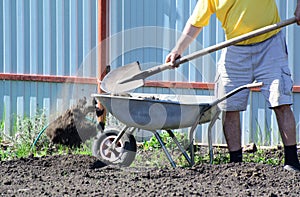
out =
column 158, row 111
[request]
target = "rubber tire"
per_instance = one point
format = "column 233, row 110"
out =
column 127, row 143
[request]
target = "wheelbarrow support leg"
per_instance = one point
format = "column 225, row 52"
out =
column 171, row 134
column 164, row 148
column 191, row 137
column 211, row 124
column 117, row 139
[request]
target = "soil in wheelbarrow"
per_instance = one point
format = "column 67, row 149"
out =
column 78, row 175
column 72, row 128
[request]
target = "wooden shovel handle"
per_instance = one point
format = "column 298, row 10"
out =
column 154, row 70
column 216, row 47
column 235, row 40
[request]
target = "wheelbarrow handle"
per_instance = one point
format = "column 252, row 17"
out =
column 229, row 94
column 254, row 85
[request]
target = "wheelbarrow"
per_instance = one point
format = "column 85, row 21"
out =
column 154, row 112
column 159, row 112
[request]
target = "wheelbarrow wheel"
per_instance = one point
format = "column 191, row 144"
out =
column 123, row 154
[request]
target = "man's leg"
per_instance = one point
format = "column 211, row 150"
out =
column 286, row 123
column 287, row 128
column 232, row 132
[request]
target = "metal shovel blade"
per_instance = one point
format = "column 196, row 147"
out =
column 110, row 82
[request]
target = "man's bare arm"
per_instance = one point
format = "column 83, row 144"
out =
column 189, row 33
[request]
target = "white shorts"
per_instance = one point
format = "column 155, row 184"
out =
column 265, row 62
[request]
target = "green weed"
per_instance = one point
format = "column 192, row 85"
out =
column 221, row 155
column 260, row 156
column 154, row 144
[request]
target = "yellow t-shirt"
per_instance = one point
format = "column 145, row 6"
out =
column 238, row 16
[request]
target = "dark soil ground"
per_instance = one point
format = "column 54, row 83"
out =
column 78, row 175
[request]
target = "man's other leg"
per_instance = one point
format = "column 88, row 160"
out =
column 287, row 127
column 232, row 132
column 286, row 123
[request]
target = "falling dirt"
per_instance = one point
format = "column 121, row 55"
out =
column 72, row 127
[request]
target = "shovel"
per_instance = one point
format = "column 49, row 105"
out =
column 130, row 76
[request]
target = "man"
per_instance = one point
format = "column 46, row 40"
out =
column 263, row 58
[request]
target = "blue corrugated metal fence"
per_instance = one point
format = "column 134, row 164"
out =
column 54, row 37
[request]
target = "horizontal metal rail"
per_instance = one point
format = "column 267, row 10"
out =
column 91, row 80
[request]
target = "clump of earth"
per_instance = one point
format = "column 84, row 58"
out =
column 72, row 128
